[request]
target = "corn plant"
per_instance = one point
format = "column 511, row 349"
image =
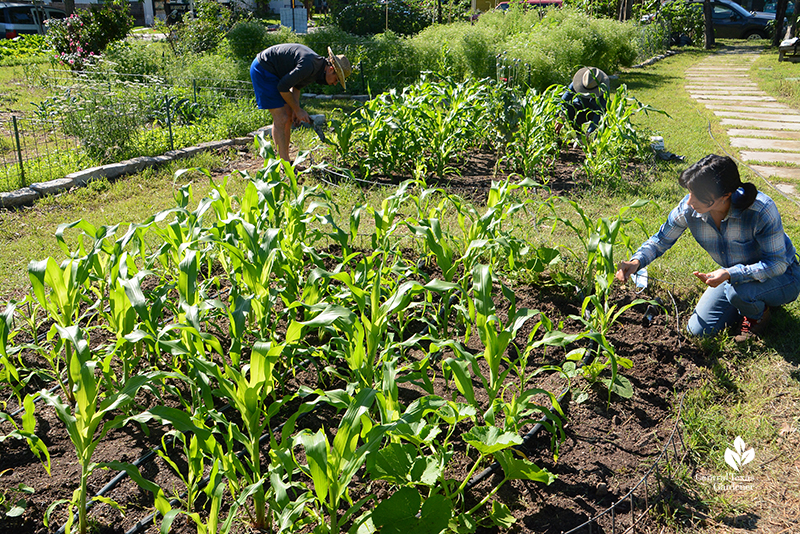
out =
column 331, row 466
column 248, row 392
column 534, row 141
column 598, row 239
column 88, row 423
column 616, row 139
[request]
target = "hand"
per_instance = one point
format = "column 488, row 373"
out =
column 713, row 279
column 301, row 116
column 626, row 269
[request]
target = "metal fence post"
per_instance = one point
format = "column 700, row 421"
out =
column 19, row 150
column 194, row 90
column 169, row 123
column 363, row 83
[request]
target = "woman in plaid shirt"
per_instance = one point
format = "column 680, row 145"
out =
column 742, row 231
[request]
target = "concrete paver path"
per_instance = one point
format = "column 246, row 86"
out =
column 766, row 132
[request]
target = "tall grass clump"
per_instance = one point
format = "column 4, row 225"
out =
column 249, row 37
column 459, row 49
column 566, row 40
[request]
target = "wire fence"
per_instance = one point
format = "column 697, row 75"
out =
column 35, row 150
column 634, row 507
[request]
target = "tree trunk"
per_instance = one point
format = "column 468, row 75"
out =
column 780, row 13
column 709, row 33
column 796, row 16
column 69, row 6
column 625, row 10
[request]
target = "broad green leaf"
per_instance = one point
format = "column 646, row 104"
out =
column 517, row 468
column 316, row 448
column 490, row 439
column 392, row 463
column 399, row 513
column 501, row 515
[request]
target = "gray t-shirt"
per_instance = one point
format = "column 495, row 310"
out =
column 295, row 65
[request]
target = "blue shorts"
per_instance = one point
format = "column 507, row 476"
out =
column 265, row 85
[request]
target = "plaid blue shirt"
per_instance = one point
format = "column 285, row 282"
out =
column 751, row 243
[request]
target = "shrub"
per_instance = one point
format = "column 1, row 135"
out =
column 79, row 39
column 368, row 17
column 203, row 33
column 683, row 19
column 566, row 40
column 248, row 37
column 457, row 49
column 138, row 59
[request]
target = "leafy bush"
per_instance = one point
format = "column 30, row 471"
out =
column 459, row 49
column 249, row 37
column 135, row 58
column 683, row 18
column 566, row 40
column 368, row 17
column 22, row 49
column 201, row 34
column 79, row 39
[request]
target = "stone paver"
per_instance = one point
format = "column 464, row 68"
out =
column 780, row 157
column 765, row 144
column 765, row 130
column 780, row 117
column 788, row 173
column 777, row 134
column 767, row 125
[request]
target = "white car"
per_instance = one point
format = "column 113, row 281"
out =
column 18, row 19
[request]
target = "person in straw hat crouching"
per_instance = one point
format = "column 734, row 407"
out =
column 279, row 72
column 584, row 101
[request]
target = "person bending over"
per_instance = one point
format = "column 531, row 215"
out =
column 742, row 231
column 280, row 72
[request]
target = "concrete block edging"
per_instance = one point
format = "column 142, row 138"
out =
column 26, row 196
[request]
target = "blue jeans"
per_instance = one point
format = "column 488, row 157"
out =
column 724, row 305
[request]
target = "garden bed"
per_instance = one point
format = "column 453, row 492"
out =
column 607, row 447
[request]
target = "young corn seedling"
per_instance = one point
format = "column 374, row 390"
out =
column 27, row 431
column 331, row 466
column 92, row 416
column 598, row 239
column 248, row 391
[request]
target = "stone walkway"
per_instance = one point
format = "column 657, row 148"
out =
column 765, row 131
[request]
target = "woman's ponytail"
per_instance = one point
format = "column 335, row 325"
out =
column 743, row 197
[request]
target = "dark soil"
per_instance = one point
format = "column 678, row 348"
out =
column 606, row 451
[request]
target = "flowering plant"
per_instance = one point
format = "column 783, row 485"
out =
column 81, row 38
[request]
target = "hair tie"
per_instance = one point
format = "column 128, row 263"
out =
column 737, row 196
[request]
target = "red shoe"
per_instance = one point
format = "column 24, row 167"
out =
column 752, row 328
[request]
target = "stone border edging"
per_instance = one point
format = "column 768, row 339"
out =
column 28, row 195
column 655, row 59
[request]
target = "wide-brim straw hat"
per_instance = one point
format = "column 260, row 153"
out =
column 590, row 80
column 341, row 65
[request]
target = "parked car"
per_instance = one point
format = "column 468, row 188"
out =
column 18, row 19
column 772, row 7
column 732, row 21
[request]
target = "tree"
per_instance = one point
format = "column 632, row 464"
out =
column 709, row 18
column 780, row 13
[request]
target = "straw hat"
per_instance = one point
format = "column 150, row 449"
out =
column 341, row 65
column 590, row 80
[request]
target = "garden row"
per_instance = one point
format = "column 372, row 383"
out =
column 220, row 304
